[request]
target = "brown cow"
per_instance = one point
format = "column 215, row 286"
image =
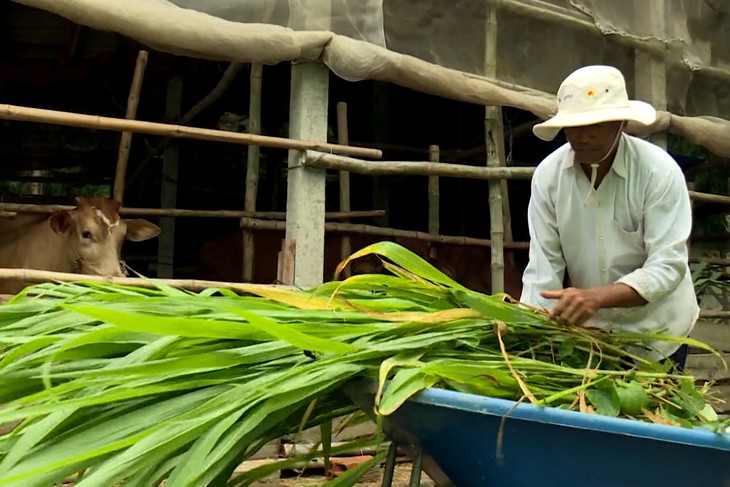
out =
column 221, row 258
column 85, row 240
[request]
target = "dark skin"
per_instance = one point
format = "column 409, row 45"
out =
column 575, row 306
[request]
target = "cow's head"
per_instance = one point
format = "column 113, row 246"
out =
column 94, row 233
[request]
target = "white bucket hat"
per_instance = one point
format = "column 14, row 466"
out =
column 590, row 95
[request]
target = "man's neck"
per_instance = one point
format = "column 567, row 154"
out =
column 603, row 167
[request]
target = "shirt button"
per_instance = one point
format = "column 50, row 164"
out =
column 603, row 269
column 600, row 238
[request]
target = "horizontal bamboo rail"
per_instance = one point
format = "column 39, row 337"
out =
column 270, row 215
column 418, row 168
column 400, row 168
column 38, row 276
column 28, row 114
column 710, row 260
column 709, row 198
column 714, row 314
column 353, row 228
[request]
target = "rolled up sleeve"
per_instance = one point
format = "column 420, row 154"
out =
column 667, row 227
column 546, row 267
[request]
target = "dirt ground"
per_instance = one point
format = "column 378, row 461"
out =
column 374, row 478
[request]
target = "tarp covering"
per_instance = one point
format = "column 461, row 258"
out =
column 438, row 46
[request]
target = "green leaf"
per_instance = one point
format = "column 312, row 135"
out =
column 633, row 397
column 605, row 398
column 405, row 384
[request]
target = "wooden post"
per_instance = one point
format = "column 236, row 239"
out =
column 650, row 79
column 125, row 144
column 494, row 140
column 434, row 197
column 252, row 167
column 168, row 189
column 343, row 139
column 306, row 185
column 381, row 119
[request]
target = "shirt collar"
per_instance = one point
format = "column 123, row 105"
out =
column 619, row 162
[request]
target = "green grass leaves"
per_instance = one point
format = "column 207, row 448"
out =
column 140, row 385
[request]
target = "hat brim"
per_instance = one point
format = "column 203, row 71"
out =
column 637, row 111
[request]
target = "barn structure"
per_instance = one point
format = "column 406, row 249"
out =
column 255, row 123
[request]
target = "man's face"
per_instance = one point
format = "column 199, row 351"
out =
column 592, row 143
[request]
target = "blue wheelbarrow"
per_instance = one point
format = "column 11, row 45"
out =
column 455, row 438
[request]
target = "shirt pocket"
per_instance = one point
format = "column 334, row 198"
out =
column 626, row 248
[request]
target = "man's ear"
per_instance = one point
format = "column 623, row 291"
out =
column 60, row 221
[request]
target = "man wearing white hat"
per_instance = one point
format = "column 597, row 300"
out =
column 613, row 212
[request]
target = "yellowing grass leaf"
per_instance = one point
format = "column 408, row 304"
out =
column 409, row 358
column 443, row 316
column 293, row 298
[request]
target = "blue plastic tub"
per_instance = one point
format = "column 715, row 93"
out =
column 546, row 447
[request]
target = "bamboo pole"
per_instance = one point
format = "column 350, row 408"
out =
column 494, row 138
column 343, row 137
column 38, row 276
column 125, row 145
column 400, row 168
column 360, row 229
column 714, row 314
column 710, row 260
column 709, row 198
column 434, row 200
column 434, row 195
column 28, row 114
column 271, row 215
column 252, row 167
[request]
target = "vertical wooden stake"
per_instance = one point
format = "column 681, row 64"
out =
column 168, row 187
column 252, row 168
column 434, row 196
column 343, row 138
column 126, row 141
column 495, row 157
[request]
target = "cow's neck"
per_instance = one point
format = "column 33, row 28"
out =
column 28, row 241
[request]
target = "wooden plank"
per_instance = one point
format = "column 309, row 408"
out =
column 716, row 335
column 722, row 392
column 706, row 366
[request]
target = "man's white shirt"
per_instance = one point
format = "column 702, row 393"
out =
column 632, row 229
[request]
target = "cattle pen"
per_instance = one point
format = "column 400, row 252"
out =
column 320, row 44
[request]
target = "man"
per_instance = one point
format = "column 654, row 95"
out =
column 614, row 212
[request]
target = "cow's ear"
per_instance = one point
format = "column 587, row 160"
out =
column 60, row 221
column 140, row 230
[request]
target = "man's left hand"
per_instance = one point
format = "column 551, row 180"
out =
column 574, row 306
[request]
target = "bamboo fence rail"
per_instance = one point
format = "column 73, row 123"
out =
column 359, row 229
column 27, row 114
column 174, row 212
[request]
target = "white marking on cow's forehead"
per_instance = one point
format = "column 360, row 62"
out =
column 106, row 220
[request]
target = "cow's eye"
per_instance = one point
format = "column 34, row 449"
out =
column 86, row 234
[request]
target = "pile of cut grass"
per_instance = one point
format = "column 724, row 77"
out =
column 140, row 385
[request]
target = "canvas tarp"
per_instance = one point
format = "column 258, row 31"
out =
column 438, row 46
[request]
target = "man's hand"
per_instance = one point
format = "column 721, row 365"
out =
column 574, row 306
